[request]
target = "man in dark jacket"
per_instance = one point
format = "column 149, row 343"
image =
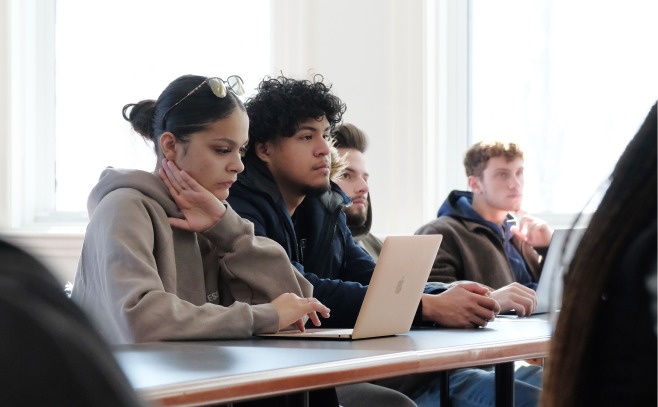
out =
column 285, row 190
column 481, row 239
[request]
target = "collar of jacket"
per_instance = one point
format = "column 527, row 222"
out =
column 334, row 198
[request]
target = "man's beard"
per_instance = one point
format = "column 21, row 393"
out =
column 355, row 219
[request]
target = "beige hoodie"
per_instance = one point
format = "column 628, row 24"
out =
column 142, row 280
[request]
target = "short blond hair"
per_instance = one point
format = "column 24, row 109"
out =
column 477, row 157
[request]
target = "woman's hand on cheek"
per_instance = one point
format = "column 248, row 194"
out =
column 201, row 209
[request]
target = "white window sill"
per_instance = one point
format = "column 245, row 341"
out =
column 57, row 247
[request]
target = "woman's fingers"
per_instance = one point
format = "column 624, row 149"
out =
column 171, row 176
column 316, row 307
column 174, row 178
column 163, row 176
column 188, row 183
column 299, row 324
column 294, row 310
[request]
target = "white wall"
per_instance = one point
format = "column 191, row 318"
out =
column 372, row 51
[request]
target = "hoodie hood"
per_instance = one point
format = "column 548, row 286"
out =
column 257, row 176
column 147, row 183
column 459, row 204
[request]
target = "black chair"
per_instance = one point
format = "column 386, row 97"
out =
column 50, row 354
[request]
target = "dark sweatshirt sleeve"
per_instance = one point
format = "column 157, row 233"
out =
column 359, row 265
column 344, row 298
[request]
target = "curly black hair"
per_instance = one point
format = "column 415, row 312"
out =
column 281, row 104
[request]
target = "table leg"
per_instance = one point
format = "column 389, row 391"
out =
column 297, row 399
column 445, row 388
column 505, row 384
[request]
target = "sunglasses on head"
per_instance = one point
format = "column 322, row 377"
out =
column 219, row 87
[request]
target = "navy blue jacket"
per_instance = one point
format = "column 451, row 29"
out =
column 317, row 240
column 523, row 264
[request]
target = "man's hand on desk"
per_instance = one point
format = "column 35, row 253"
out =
column 294, row 309
column 517, row 297
column 464, row 305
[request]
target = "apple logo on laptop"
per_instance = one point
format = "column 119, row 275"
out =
column 398, row 287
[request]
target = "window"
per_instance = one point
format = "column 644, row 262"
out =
column 109, row 54
column 570, row 81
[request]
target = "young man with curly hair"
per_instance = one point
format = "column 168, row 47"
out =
column 286, row 191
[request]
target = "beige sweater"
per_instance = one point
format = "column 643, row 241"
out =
column 142, row 280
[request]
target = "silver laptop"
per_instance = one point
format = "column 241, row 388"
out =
column 549, row 288
column 394, row 292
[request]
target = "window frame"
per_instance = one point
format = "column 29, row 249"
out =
column 31, row 156
column 448, row 37
column 447, row 113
